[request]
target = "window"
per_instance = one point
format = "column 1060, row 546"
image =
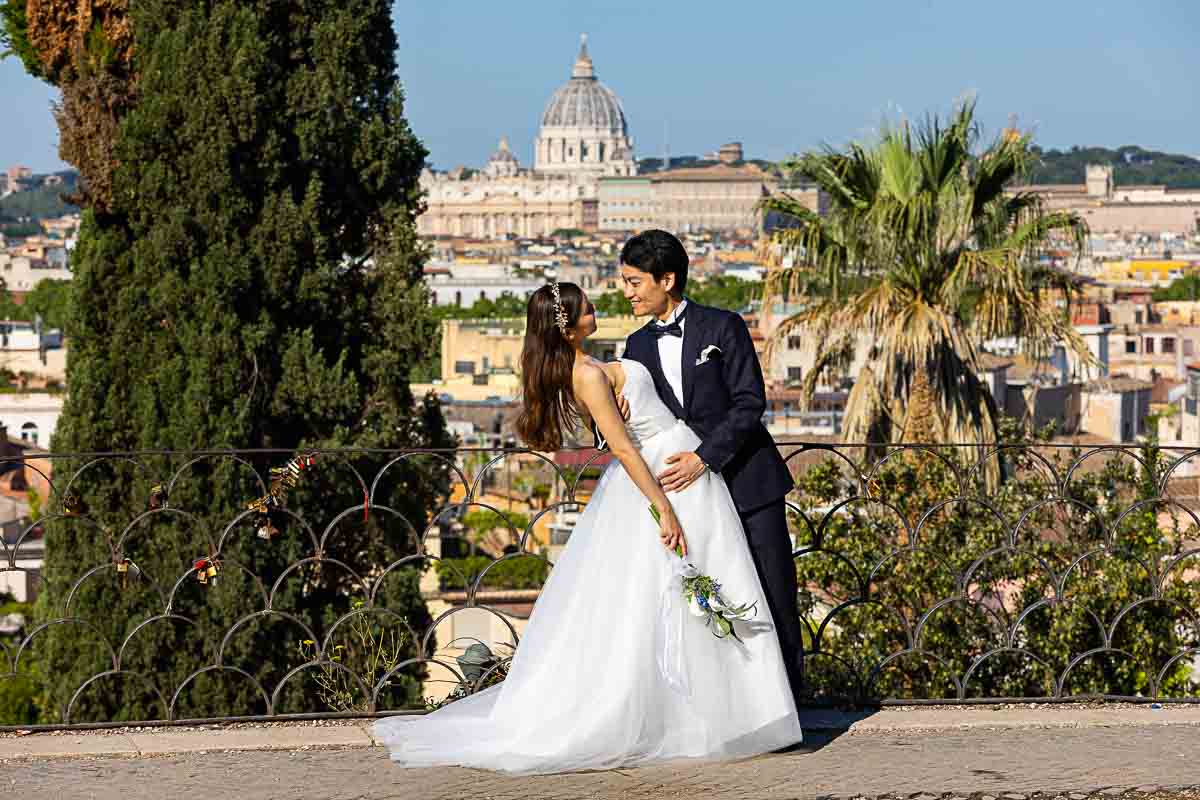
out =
column 464, row 367
column 795, row 373
column 1168, row 344
column 29, row 432
column 1137, row 317
column 795, row 343
column 1130, row 346
column 1188, row 347
column 1149, row 345
column 458, row 298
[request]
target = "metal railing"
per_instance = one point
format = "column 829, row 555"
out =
column 928, row 574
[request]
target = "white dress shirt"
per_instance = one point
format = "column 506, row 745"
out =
column 670, row 352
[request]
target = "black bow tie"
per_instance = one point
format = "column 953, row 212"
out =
column 673, row 329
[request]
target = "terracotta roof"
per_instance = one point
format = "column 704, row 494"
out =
column 1118, row 384
column 991, row 361
column 577, row 458
column 1162, row 390
column 1022, row 368
column 718, row 172
column 1052, row 188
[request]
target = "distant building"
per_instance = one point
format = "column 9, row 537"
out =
column 723, row 197
column 17, row 176
column 627, row 204
column 1107, row 207
column 583, row 136
column 1116, row 408
column 454, row 283
column 31, row 417
column 584, row 176
column 25, row 470
column 1147, row 271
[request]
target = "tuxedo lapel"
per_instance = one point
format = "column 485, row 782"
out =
column 693, row 336
column 654, row 363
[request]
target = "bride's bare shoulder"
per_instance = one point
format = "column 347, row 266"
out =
column 592, row 373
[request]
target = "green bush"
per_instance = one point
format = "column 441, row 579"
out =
column 21, row 697
column 930, row 574
column 525, row 572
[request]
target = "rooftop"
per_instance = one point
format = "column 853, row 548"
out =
column 717, row 172
column 991, row 361
column 1119, row 384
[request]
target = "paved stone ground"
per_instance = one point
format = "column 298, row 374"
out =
column 1013, row 763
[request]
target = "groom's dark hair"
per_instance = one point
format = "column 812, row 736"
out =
column 658, row 253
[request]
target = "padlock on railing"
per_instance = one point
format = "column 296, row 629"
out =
column 72, row 506
column 158, row 497
column 266, row 529
column 122, row 565
column 207, row 570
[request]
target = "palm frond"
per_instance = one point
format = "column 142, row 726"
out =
column 952, row 256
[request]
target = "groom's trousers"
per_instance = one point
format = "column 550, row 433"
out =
column 771, row 549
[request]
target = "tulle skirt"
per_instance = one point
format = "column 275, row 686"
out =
column 612, row 671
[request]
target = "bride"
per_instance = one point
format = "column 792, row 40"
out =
column 611, row 671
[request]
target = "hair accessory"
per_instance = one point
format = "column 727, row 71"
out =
column 560, row 314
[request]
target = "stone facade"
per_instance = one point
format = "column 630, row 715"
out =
column 723, row 197
column 1109, row 208
column 718, row 198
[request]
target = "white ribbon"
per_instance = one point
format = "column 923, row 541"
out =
column 672, row 616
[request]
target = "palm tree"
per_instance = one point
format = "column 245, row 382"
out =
column 928, row 250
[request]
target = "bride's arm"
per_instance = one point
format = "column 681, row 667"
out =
column 595, row 393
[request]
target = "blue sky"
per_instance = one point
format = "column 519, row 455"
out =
column 778, row 76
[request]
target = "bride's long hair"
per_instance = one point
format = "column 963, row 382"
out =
column 548, row 407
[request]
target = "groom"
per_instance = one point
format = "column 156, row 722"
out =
column 706, row 371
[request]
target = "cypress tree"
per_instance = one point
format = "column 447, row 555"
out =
column 251, row 280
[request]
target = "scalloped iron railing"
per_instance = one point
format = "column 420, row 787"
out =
column 928, row 574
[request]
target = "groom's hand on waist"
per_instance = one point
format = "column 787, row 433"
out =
column 684, row 470
column 623, row 407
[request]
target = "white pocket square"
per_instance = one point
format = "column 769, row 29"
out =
column 712, row 351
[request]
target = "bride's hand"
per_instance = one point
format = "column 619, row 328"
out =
column 670, row 532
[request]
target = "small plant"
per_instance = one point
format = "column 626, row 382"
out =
column 476, row 663
column 368, row 656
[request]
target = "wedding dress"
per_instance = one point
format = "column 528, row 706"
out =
column 612, row 670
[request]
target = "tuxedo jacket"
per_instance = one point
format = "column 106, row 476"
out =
column 723, row 402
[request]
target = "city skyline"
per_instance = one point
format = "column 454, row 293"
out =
column 784, row 80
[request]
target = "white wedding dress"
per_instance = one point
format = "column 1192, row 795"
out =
column 612, row 670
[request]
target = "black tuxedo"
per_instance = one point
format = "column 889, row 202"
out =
column 723, row 403
column 724, row 400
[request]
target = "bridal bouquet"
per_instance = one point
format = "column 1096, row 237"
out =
column 703, row 596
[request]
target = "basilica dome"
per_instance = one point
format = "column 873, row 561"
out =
column 583, row 127
column 584, row 102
